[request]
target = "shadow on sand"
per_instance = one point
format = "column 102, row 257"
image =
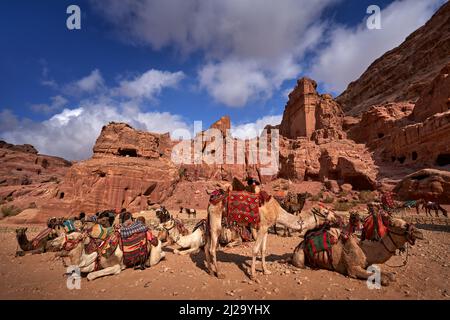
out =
column 433, row 227
column 242, row 261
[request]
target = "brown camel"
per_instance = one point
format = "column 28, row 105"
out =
column 434, row 206
column 40, row 244
column 270, row 213
column 352, row 257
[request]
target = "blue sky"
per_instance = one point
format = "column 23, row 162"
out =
column 160, row 65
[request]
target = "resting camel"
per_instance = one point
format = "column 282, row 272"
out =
column 40, row 244
column 90, row 263
column 191, row 242
column 270, row 213
column 352, row 257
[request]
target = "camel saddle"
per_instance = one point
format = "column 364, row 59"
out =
column 243, row 208
column 374, row 227
column 134, row 249
column 318, row 247
column 100, row 232
column 43, row 234
column 135, row 227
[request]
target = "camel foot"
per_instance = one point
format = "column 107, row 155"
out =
column 176, row 251
column 221, row 276
column 20, row 253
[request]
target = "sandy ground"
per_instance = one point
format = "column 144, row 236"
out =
column 426, row 276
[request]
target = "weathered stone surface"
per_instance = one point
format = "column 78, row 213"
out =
column 120, row 139
column 424, row 143
column 404, row 72
column 380, row 120
column 308, row 114
column 429, row 184
column 435, row 98
column 348, row 162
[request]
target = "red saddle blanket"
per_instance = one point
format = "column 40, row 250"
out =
column 318, row 248
column 134, row 249
column 243, row 208
column 374, row 228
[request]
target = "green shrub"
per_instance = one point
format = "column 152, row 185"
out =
column 9, row 211
column 366, row 196
column 343, row 206
column 317, row 197
column 9, row 198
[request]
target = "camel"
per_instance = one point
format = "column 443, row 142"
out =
column 40, row 244
column 96, row 266
column 292, row 203
column 434, row 206
column 352, row 257
column 270, row 213
column 191, row 242
column 189, row 212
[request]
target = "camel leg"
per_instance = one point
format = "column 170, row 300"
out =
column 213, row 251
column 234, row 244
column 263, row 255
column 256, row 249
column 187, row 251
column 206, row 249
column 359, row 273
column 104, row 272
column 298, row 258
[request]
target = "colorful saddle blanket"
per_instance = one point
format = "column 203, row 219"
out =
column 69, row 226
column 387, row 200
column 374, row 227
column 135, row 227
column 43, row 234
column 243, row 208
column 134, row 249
column 100, row 232
column 318, row 248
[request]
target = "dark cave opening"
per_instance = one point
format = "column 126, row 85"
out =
column 414, row 156
column 128, row 153
column 443, row 159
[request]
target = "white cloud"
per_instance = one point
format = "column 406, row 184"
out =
column 72, row 133
column 148, row 84
column 262, row 42
column 89, row 84
column 350, row 51
column 254, row 129
column 57, row 102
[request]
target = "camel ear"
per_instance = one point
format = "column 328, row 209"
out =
column 25, row 229
column 208, row 192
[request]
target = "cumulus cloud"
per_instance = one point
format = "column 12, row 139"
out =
column 89, row 84
column 254, row 129
column 350, row 51
column 261, row 42
column 56, row 103
column 148, row 84
column 72, row 132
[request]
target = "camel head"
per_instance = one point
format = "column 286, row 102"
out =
column 57, row 243
column 163, row 214
column 401, row 228
column 20, row 232
column 356, row 220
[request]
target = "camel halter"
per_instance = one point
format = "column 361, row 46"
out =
column 409, row 239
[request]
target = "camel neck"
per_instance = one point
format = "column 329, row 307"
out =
column 382, row 250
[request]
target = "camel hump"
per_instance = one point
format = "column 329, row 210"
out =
column 237, row 185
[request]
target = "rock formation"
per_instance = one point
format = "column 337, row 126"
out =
column 403, row 73
column 308, row 114
column 427, row 183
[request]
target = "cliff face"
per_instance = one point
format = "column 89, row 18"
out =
column 403, row 73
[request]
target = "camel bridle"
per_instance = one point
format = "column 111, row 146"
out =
column 408, row 232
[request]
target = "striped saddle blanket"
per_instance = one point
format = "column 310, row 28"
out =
column 243, row 208
column 135, row 249
column 318, row 248
column 375, row 227
column 69, row 226
column 41, row 236
column 135, row 227
column 100, row 232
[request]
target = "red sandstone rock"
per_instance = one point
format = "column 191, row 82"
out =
column 435, row 98
column 404, row 72
column 428, row 184
column 308, row 114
